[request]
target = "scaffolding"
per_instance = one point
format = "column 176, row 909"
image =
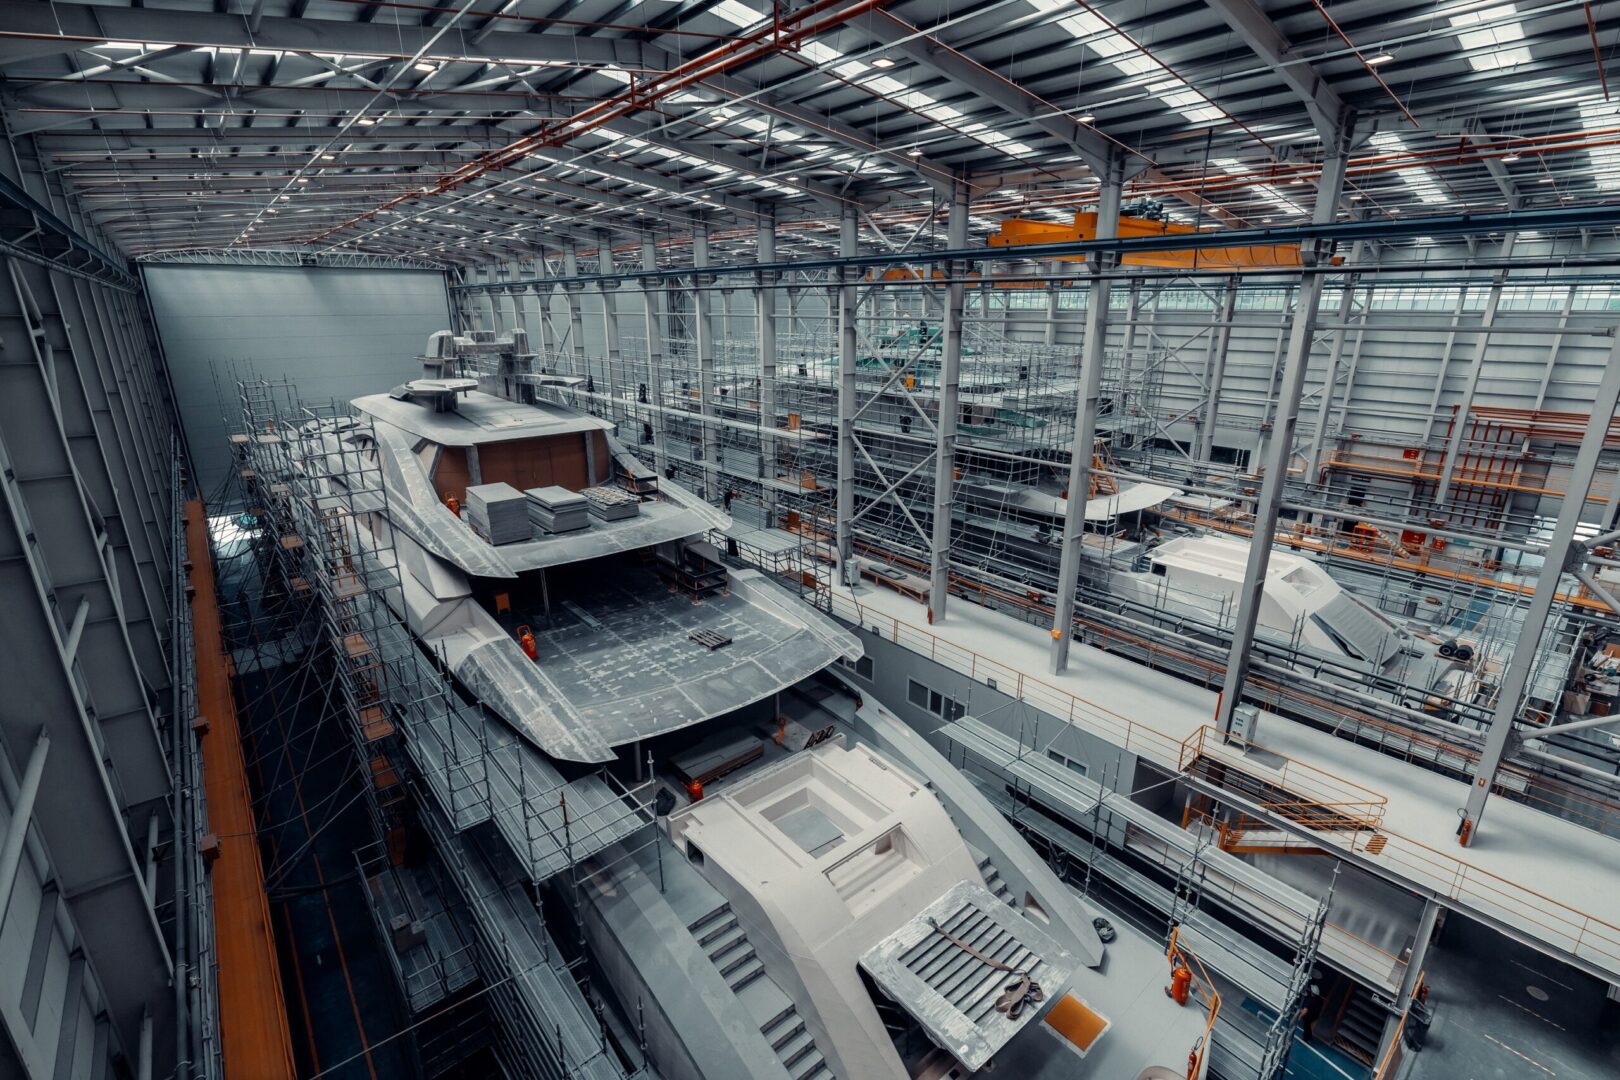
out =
column 319, row 583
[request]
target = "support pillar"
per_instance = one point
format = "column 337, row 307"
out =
column 610, row 314
column 1053, row 289
column 1560, row 548
column 576, row 321
column 650, row 291
column 1409, row 978
column 765, row 307
column 1215, row 370
column 702, row 317
column 1330, row 381
column 1280, row 446
column 950, row 377
column 1085, row 420
column 848, row 236
column 1487, row 319
column 22, row 813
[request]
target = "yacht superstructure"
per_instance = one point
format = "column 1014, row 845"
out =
column 826, row 896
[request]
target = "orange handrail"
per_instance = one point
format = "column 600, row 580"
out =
column 1565, row 927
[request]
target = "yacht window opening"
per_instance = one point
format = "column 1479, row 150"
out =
column 1068, row 762
column 932, row 701
column 862, row 668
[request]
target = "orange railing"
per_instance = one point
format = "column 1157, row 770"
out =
column 1324, row 802
column 1204, row 987
column 1587, row 937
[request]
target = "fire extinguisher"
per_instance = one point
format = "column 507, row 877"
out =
column 1180, row 982
column 1465, row 829
column 525, row 638
column 454, row 504
column 1192, row 1059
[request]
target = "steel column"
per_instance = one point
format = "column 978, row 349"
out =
column 950, row 377
column 1560, row 549
column 1280, row 446
column 1409, row 978
column 848, row 238
column 1487, row 319
column 610, row 310
column 1085, row 420
column 1215, row 371
column 576, row 319
column 1330, row 380
column 22, row 813
column 703, row 318
column 650, row 292
column 765, row 306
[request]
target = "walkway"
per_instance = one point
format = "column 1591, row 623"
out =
column 1543, row 876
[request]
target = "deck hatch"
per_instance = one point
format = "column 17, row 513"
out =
column 952, row 993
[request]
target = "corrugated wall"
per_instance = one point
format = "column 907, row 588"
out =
column 336, row 333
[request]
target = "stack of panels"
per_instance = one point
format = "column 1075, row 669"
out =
column 557, row 510
column 611, row 503
column 498, row 513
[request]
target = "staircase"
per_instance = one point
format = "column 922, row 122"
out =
column 726, row 945
column 1360, row 1024
column 795, row 1047
column 992, row 881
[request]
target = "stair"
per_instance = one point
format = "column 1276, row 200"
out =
column 1360, row 1026
column 794, row 1045
column 992, row 881
column 726, row 944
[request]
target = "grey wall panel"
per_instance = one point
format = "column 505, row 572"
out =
column 334, row 333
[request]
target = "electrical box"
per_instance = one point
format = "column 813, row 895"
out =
column 1246, row 722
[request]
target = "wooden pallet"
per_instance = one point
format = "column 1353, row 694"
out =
column 709, row 639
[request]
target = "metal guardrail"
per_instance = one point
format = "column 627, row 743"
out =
column 1585, row 937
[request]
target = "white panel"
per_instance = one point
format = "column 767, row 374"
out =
column 335, row 333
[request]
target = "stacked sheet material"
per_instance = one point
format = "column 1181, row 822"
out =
column 498, row 513
column 611, row 503
column 558, row 510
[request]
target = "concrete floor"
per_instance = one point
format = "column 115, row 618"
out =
column 1506, row 1012
column 1548, row 876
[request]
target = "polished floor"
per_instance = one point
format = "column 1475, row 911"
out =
column 1506, row 1012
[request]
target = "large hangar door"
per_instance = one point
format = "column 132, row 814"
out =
column 335, row 333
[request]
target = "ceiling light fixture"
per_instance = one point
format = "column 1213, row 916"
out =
column 365, row 121
column 883, row 62
column 1510, row 158
column 1381, row 58
column 1087, row 118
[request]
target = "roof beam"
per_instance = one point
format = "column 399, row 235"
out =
column 34, row 30
column 1326, row 109
column 918, row 46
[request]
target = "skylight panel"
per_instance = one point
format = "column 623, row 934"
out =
column 1596, row 115
column 1420, row 181
column 1491, row 48
column 1266, row 191
column 736, row 13
column 1126, row 56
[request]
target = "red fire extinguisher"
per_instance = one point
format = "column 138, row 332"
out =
column 1180, row 982
column 525, row 638
column 454, row 504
